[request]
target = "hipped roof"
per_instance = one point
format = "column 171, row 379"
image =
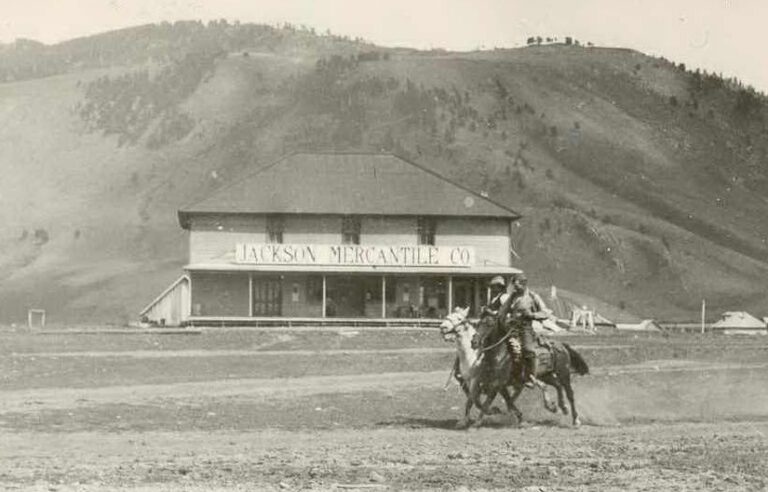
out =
column 348, row 183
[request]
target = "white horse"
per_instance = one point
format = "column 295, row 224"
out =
column 456, row 328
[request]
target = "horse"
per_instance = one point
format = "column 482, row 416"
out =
column 491, row 370
column 456, row 327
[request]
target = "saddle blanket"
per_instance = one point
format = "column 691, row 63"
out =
column 546, row 360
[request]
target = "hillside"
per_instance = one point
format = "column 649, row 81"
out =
column 642, row 185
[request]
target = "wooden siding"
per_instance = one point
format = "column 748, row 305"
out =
column 172, row 307
column 388, row 230
column 489, row 237
column 212, row 239
column 220, row 294
column 320, row 229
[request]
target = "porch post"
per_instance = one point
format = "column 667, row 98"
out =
column 250, row 294
column 450, row 294
column 323, row 296
column 383, row 296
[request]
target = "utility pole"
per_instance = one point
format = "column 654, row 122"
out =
column 703, row 313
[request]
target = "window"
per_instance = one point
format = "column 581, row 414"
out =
column 275, row 228
column 425, row 229
column 350, row 230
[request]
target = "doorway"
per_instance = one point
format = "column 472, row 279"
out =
column 267, row 296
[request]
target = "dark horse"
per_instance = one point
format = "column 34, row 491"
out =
column 497, row 369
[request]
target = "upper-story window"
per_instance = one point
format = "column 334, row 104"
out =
column 275, row 227
column 350, row 230
column 425, row 229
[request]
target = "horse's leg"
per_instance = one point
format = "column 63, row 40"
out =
column 561, row 372
column 464, row 422
column 566, row 380
column 511, row 402
column 561, row 399
column 483, row 406
column 511, row 408
column 552, row 381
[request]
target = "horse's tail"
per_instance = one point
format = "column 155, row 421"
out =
column 578, row 364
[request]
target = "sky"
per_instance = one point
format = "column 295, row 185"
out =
column 717, row 35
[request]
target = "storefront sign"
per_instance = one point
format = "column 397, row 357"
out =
column 354, row 255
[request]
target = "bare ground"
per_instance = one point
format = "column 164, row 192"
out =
column 682, row 424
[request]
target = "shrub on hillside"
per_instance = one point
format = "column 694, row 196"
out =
column 126, row 105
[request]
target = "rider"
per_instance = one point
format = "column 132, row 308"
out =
column 498, row 296
column 524, row 307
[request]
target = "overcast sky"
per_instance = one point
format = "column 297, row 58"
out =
column 726, row 36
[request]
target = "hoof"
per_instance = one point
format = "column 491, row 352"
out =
column 577, row 422
column 565, row 410
column 551, row 408
column 462, row 424
column 496, row 411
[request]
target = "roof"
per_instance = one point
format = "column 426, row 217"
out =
column 738, row 319
column 644, row 325
column 347, row 183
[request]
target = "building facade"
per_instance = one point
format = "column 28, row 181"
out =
column 342, row 237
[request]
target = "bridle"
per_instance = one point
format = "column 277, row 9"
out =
column 454, row 326
column 463, row 321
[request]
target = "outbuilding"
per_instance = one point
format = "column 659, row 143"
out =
column 739, row 323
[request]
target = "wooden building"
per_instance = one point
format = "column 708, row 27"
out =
column 345, row 238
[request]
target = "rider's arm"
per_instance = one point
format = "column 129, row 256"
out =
column 540, row 311
column 504, row 309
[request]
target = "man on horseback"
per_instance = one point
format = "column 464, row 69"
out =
column 498, row 296
column 523, row 306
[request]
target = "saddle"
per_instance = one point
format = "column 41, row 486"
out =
column 546, row 359
column 544, row 352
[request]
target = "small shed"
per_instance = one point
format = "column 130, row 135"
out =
column 171, row 308
column 646, row 325
column 739, row 323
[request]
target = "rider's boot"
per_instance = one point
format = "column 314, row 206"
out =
column 532, row 366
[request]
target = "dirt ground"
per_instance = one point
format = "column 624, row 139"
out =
column 356, row 410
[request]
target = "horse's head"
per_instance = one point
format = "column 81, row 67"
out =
column 457, row 325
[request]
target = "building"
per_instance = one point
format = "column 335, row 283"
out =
column 739, row 323
column 646, row 325
column 342, row 237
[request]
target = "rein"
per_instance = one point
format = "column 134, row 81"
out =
column 503, row 339
column 499, row 342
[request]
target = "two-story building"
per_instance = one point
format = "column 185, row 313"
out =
column 344, row 236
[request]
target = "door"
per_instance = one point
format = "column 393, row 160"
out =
column 267, row 296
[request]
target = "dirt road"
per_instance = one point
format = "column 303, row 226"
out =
column 375, row 420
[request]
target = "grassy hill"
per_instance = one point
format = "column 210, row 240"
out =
column 643, row 185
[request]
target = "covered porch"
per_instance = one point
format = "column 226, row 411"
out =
column 351, row 298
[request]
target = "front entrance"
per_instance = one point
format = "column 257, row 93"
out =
column 465, row 294
column 267, row 296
